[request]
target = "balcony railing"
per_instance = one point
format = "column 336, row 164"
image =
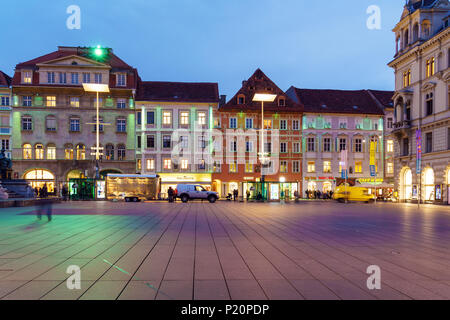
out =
column 405, row 124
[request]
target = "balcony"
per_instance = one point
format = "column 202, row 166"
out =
column 405, row 124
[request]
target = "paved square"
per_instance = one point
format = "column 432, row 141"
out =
column 311, row 250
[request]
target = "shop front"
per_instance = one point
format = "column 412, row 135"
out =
column 377, row 186
column 173, row 179
column 323, row 184
column 270, row 190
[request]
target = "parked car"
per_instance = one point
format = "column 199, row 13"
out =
column 349, row 193
column 187, row 192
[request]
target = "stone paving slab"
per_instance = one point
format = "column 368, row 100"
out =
column 224, row 251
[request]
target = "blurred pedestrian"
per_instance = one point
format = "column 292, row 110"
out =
column 45, row 206
column 64, row 192
column 170, row 193
column 248, row 195
column 235, row 194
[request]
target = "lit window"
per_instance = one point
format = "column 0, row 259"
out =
column 109, row 152
column 248, row 167
column 27, row 75
column 358, row 167
column 184, row 164
column 150, row 164
column 431, row 67
column 233, row 167
column 327, row 167
column 167, row 164
column 51, row 101
column 407, row 78
column 68, row 152
column 311, row 166
column 39, row 151
column 81, row 152
column 167, row 118
column 283, row 166
column 267, row 123
column 201, row 118
column 390, row 168
column 27, row 152
column 184, row 118
column 121, row 152
column 390, row 146
column 75, row 102
column 51, row 152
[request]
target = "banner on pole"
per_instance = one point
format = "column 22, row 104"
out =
column 419, row 151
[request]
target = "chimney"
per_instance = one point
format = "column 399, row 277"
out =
column 222, row 100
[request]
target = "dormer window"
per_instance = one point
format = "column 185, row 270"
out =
column 121, row 80
column 26, row 76
column 281, row 102
column 241, row 99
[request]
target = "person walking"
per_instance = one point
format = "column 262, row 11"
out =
column 64, row 192
column 235, row 194
column 45, row 206
column 248, row 195
column 170, row 192
column 44, row 191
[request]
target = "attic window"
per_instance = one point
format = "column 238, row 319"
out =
column 74, row 63
column 241, row 99
column 281, row 102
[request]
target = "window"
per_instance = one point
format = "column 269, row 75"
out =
column 167, row 164
column 109, row 154
column 5, row 101
column 150, row 141
column 407, row 78
column 50, row 101
column 51, row 152
column 121, row 80
column 431, row 67
column 167, row 142
column 390, row 123
column 390, row 146
column 233, row 123
column 5, row 144
column 296, row 147
column 184, row 142
column 233, row 167
column 358, row 167
column 74, row 77
column 283, row 124
column 62, row 77
column 342, row 144
column 405, row 150
column 311, row 145
column 150, row 117
column 50, row 123
column 184, row 164
column 75, row 125
column 121, row 152
column 295, row 125
column 68, row 152
column 184, row 118
column 296, row 166
column 150, row 164
column 27, row 152
column 81, row 152
column 121, row 125
column 97, row 77
column 281, row 102
column 241, row 99
column 249, row 146
column 27, row 101
column 201, row 143
column 267, row 123
column 139, row 118
column 448, row 138
column 311, row 166
column 27, row 123
column 390, row 168
column 268, row 147
column 326, row 144
column 100, row 124
column 283, row 147
column 327, row 167
column 249, row 123
column 167, row 118
column 50, row 77
column 283, row 166
column 139, row 142
column 75, row 102
column 121, row 104
column 248, row 167
column 233, row 146
column 39, row 151
column 429, row 142
column 358, row 145
column 86, row 77
column 342, row 124
column 201, row 118
column 429, row 104
column 27, row 76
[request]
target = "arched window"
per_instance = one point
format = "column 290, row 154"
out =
column 428, row 184
column 406, row 38
column 68, row 152
column 51, row 151
column 81, row 152
column 407, row 186
column 27, row 151
column 415, row 32
column 40, row 177
column 121, row 152
column 39, row 151
column 109, row 152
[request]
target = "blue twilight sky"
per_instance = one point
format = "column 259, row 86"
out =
column 309, row 44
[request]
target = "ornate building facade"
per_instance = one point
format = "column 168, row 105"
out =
column 5, row 114
column 422, row 115
column 54, row 118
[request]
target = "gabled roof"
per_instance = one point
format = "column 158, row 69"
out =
column 260, row 83
column 5, row 80
column 177, row 91
column 384, row 97
column 340, row 101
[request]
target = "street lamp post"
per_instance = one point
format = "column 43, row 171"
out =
column 97, row 88
column 263, row 97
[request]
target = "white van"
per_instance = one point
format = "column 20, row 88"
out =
column 188, row 192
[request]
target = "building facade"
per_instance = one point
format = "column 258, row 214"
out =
column 174, row 123
column 5, row 114
column 337, row 120
column 54, row 118
column 238, row 154
column 422, row 116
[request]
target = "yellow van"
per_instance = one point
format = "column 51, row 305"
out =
column 353, row 194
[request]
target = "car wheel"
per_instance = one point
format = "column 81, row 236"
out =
column 135, row 199
column 212, row 199
column 341, row 200
column 184, row 198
